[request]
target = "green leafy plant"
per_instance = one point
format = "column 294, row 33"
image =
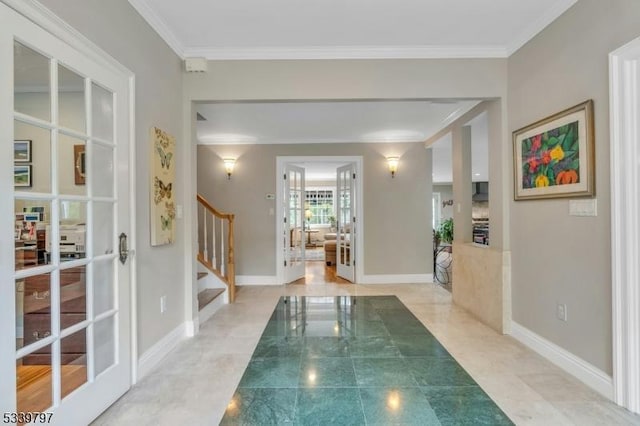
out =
column 445, row 231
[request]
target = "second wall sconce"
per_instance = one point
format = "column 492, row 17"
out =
column 393, row 165
column 229, row 163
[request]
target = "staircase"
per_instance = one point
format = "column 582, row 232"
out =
column 215, row 254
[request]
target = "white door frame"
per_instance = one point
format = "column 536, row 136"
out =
column 280, row 162
column 624, row 78
column 44, row 18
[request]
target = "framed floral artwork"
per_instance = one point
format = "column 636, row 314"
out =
column 554, row 157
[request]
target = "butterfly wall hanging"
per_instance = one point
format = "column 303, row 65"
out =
column 163, row 196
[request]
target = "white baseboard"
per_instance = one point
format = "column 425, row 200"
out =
column 592, row 376
column 396, row 279
column 256, row 280
column 192, row 327
column 152, row 356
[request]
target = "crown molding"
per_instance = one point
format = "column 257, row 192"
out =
column 156, row 22
column 215, row 141
column 45, row 18
column 347, row 52
column 538, row 25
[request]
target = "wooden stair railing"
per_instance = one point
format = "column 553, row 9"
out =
column 215, row 251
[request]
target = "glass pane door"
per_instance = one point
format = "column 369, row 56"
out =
column 345, row 240
column 294, row 249
column 68, row 286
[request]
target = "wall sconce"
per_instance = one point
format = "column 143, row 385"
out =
column 229, row 163
column 393, row 165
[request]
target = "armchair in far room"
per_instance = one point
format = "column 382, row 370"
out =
column 330, row 247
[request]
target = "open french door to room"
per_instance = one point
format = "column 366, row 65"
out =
column 65, row 319
column 293, row 216
column 346, row 213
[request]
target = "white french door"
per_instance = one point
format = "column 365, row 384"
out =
column 346, row 212
column 294, row 227
column 64, row 184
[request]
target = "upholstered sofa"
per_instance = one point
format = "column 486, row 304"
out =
column 330, row 249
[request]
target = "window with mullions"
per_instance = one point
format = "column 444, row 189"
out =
column 320, row 205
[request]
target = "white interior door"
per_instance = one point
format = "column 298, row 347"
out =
column 64, row 303
column 346, row 213
column 293, row 216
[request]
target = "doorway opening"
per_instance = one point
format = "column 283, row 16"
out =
column 319, row 206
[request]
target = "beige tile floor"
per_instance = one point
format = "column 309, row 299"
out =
column 194, row 383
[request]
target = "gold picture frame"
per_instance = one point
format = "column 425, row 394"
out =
column 555, row 157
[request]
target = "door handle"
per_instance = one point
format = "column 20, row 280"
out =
column 124, row 249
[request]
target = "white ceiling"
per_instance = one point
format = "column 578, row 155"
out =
column 292, row 29
column 326, row 122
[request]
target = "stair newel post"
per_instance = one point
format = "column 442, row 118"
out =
column 231, row 268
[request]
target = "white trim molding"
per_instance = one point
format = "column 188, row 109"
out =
column 45, row 18
column 538, row 25
column 192, row 327
column 249, row 280
column 396, row 279
column 159, row 26
column 577, row 367
column 152, row 356
column 346, row 52
column 624, row 79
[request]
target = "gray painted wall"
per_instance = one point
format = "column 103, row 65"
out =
column 557, row 258
column 397, row 212
column 446, row 193
column 118, row 29
column 348, row 79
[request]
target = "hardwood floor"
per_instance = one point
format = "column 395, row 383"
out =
column 206, row 296
column 34, row 385
column 317, row 273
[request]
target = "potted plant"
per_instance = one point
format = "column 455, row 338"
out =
column 332, row 223
column 445, row 231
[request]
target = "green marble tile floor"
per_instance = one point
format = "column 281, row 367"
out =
column 355, row 360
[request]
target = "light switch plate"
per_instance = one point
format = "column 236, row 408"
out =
column 583, row 207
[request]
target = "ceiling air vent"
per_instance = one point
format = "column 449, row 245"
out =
column 195, row 64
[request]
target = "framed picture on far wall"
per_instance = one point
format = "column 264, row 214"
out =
column 22, row 176
column 22, row 151
column 555, row 157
